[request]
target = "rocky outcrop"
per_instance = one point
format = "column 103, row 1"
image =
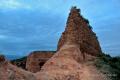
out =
column 77, row 43
column 67, row 64
column 11, row 72
column 77, row 46
column 63, row 65
column 36, row 60
column 78, row 31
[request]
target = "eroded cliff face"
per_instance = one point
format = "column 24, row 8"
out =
column 37, row 59
column 78, row 31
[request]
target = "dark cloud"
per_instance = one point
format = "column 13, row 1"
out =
column 27, row 25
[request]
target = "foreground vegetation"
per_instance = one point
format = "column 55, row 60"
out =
column 108, row 65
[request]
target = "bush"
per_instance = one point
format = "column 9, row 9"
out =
column 90, row 27
column 86, row 20
column 106, row 63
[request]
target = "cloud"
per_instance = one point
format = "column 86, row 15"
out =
column 2, row 36
column 13, row 4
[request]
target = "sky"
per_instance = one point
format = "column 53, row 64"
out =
column 29, row 25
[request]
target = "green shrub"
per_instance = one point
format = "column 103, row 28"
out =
column 107, row 64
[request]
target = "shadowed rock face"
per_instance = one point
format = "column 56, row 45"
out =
column 2, row 58
column 21, row 62
column 36, row 60
column 78, row 31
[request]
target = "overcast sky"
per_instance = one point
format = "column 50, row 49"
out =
column 28, row 25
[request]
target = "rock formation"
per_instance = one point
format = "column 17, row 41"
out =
column 77, row 43
column 11, row 72
column 36, row 59
column 78, row 31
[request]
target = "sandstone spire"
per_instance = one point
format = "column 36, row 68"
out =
column 78, row 31
column 76, row 48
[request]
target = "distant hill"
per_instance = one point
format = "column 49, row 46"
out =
column 12, row 57
column 21, row 62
